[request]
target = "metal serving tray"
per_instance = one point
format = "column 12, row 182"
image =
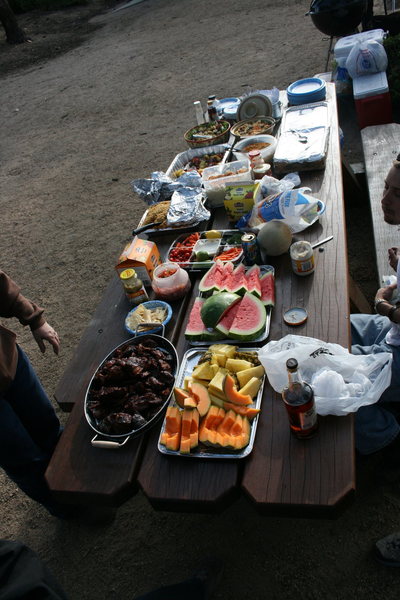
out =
column 204, row 265
column 265, row 333
column 183, row 158
column 198, row 226
column 188, row 363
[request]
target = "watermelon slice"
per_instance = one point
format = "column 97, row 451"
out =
column 228, row 268
column 253, row 281
column 195, row 327
column 224, row 325
column 267, row 282
column 237, row 281
column 215, row 307
column 250, row 319
column 213, row 279
column 196, row 331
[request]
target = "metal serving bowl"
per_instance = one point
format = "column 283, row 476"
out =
column 118, row 440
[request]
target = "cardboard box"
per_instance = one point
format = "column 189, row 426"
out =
column 141, row 255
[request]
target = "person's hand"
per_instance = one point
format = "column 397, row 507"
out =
column 386, row 293
column 46, row 332
column 394, row 255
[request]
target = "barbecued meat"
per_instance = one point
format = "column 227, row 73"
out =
column 131, row 387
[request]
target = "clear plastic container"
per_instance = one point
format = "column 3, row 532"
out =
column 216, row 178
column 170, row 281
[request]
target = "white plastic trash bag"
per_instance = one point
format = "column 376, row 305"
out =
column 366, row 58
column 345, row 381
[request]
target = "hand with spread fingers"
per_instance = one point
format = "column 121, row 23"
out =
column 46, row 333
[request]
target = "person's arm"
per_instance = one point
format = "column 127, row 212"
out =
column 383, row 306
column 393, row 255
column 14, row 304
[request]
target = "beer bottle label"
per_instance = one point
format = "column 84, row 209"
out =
column 308, row 419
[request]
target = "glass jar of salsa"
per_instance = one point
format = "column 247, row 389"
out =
column 170, row 281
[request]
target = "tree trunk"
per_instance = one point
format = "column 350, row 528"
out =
column 14, row 34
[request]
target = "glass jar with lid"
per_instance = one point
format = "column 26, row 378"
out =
column 133, row 286
column 170, row 281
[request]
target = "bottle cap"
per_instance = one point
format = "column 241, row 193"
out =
column 292, row 364
column 127, row 274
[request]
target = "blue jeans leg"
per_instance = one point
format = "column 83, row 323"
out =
column 29, row 431
column 376, row 425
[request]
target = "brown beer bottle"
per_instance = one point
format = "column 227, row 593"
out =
column 298, row 397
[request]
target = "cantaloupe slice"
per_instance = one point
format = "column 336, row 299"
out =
column 209, row 425
column 180, row 395
column 194, row 429
column 232, row 394
column 190, row 402
column 245, row 411
column 202, row 398
column 173, row 442
column 228, row 422
column 247, row 374
column 173, row 420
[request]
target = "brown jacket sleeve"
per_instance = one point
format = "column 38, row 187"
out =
column 14, row 304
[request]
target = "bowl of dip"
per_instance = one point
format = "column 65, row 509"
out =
column 266, row 144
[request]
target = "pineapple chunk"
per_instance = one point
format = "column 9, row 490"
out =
column 237, row 364
column 227, row 349
column 247, row 374
column 216, row 385
column 216, row 401
column 203, row 371
column 251, row 388
column 186, row 382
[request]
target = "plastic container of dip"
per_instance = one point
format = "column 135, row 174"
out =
column 302, row 256
column 170, row 281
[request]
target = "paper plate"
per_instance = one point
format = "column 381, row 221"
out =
column 253, row 106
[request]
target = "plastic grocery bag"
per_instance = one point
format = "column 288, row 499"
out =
column 366, row 58
column 346, row 381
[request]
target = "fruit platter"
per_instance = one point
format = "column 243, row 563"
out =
column 234, row 304
column 199, row 251
column 215, row 405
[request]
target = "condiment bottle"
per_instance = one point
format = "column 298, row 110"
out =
column 298, row 397
column 133, row 286
column 302, row 256
column 212, row 109
column 199, row 112
column 256, row 159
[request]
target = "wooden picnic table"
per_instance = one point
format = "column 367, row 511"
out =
column 282, row 475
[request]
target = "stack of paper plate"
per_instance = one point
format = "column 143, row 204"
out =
column 304, row 91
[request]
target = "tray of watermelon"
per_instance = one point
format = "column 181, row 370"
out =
column 234, row 304
column 214, row 409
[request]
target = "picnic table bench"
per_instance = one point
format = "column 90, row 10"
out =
column 282, row 474
column 381, row 145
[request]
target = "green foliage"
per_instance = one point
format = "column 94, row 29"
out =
column 21, row 6
column 392, row 47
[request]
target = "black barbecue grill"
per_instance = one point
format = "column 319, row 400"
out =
column 337, row 18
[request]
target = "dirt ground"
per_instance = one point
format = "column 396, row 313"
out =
column 92, row 103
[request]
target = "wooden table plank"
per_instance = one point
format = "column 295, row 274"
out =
column 184, row 483
column 79, row 473
column 381, row 145
column 313, row 475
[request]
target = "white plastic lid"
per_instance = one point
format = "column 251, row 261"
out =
column 370, row 85
column 345, row 44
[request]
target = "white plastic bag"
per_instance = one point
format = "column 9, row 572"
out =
column 366, row 58
column 365, row 376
